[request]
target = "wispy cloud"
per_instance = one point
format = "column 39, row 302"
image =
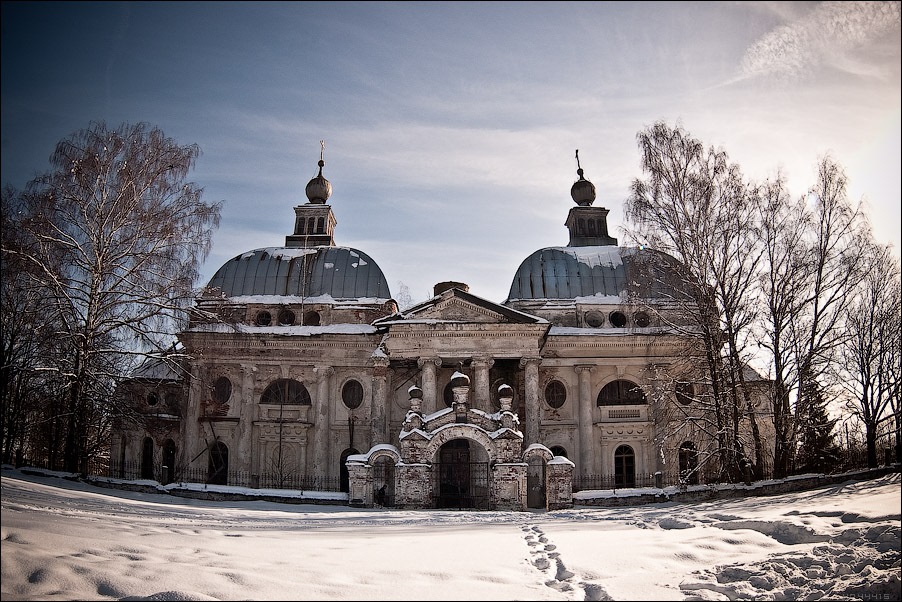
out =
column 823, row 36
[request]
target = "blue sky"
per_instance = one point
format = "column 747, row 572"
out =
column 450, row 128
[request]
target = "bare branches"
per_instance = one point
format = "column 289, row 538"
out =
column 114, row 237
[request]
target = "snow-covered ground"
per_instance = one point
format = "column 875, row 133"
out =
column 67, row 540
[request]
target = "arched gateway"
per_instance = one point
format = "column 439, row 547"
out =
column 460, row 457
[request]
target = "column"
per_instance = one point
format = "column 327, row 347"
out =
column 482, row 396
column 586, row 465
column 322, row 421
column 379, row 414
column 531, row 432
column 427, row 382
column 244, row 433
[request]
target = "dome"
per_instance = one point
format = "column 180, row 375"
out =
column 583, row 191
column 571, row 272
column 340, row 272
column 319, row 189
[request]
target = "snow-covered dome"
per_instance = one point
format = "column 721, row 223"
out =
column 340, row 272
column 571, row 272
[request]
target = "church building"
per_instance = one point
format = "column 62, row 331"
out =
column 305, row 374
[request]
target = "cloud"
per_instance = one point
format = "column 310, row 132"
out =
column 824, row 36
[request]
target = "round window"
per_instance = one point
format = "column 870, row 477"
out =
column 594, row 319
column 642, row 319
column 286, row 317
column 222, row 389
column 152, row 399
column 264, row 318
column 618, row 319
column 685, row 393
column 555, row 394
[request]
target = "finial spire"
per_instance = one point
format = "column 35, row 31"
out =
column 322, row 150
column 579, row 170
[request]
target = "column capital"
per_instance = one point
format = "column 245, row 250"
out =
column 483, row 361
column 529, row 360
column 435, row 361
column 583, row 368
column 323, row 371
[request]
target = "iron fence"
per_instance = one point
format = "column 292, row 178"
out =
column 237, row 478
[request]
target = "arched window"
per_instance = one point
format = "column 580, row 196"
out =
column 352, row 394
column 218, row 466
column 286, row 391
column 557, row 450
column 624, row 467
column 621, row 393
column 555, row 394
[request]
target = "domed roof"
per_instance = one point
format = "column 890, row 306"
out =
column 571, row 272
column 340, row 272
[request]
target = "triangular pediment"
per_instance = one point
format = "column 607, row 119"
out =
column 455, row 305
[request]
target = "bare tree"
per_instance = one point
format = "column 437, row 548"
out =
column 813, row 259
column 696, row 207
column 871, row 354
column 113, row 237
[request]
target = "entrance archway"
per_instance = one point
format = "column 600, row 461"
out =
column 344, row 481
column 168, row 461
column 624, row 467
column 218, row 467
column 147, row 459
column 688, row 463
column 535, row 483
column 462, row 476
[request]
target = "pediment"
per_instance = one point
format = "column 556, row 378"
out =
column 458, row 310
column 458, row 306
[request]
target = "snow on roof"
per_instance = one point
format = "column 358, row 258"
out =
column 287, row 331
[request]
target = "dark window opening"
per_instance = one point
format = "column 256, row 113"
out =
column 555, row 394
column 624, row 467
column 621, row 393
column 222, row 389
column 286, row 392
column 352, row 394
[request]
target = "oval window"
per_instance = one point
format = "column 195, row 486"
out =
column 555, row 394
column 352, row 394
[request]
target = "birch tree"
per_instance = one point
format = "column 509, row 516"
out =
column 113, row 237
column 813, row 260
column 873, row 350
column 695, row 206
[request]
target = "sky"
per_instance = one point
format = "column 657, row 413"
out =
column 69, row 540
column 450, row 128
